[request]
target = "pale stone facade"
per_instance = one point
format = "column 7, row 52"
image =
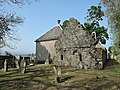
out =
column 45, row 49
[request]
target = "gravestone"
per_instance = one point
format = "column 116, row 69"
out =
column 6, row 65
column 23, row 66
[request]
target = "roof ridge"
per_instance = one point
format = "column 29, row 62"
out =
column 52, row 34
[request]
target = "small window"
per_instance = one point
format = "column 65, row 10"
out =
column 61, row 57
column 78, row 26
column 80, row 57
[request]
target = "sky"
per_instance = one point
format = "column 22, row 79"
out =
column 40, row 17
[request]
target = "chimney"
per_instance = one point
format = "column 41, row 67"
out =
column 58, row 22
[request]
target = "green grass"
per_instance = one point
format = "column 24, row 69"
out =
column 41, row 77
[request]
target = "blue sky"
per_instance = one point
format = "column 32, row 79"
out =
column 39, row 17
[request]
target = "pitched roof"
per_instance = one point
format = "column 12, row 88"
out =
column 50, row 35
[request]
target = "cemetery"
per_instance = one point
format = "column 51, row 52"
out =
column 76, row 63
column 59, row 45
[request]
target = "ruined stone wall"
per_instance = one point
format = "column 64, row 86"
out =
column 76, row 48
column 80, row 58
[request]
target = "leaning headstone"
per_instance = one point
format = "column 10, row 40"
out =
column 5, row 65
column 58, row 73
column 23, row 66
column 17, row 61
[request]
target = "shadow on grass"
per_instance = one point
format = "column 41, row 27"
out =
column 111, row 62
column 111, row 85
column 66, row 78
column 10, row 72
column 13, row 80
column 40, row 79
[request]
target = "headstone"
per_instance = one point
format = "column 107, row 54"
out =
column 17, row 61
column 5, row 65
column 23, row 66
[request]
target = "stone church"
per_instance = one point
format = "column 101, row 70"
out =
column 45, row 45
column 71, row 46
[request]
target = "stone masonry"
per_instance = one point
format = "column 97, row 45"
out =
column 75, row 47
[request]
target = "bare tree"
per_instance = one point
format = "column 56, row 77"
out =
column 16, row 2
column 9, row 22
column 7, row 28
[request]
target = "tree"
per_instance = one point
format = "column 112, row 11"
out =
column 65, row 23
column 112, row 9
column 8, row 53
column 95, row 15
column 8, row 22
column 114, row 50
column 7, row 28
column 16, row 2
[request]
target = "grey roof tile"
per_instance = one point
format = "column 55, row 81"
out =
column 50, row 35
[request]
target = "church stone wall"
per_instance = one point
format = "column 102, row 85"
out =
column 45, row 50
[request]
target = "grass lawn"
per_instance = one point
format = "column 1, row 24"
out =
column 41, row 77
